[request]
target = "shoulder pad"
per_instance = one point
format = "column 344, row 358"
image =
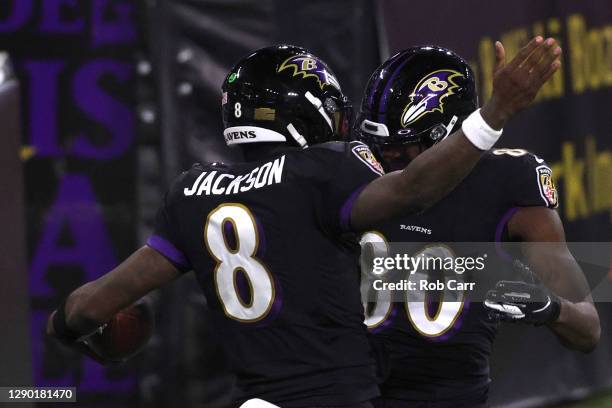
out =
column 530, row 173
column 351, row 151
column 336, row 146
column 365, row 155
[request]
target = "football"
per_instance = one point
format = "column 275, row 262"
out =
column 125, row 335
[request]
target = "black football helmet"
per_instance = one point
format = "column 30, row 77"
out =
column 286, row 94
column 414, row 99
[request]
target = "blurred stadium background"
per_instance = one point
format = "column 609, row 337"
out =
column 103, row 102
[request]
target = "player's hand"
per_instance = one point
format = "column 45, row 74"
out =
column 517, row 83
column 83, row 347
column 80, row 345
column 515, row 301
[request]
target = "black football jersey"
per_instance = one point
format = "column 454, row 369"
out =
column 271, row 247
column 445, row 355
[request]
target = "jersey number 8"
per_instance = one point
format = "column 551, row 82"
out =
column 239, row 258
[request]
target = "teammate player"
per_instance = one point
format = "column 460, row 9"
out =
column 439, row 351
column 270, row 239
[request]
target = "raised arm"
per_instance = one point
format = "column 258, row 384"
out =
column 435, row 172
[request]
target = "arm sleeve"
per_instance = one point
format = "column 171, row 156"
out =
column 531, row 182
column 165, row 238
column 355, row 167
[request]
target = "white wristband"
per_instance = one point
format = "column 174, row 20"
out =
column 479, row 132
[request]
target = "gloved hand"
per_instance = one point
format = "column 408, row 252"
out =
column 517, row 301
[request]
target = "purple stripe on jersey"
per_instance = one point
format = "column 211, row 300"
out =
column 499, row 232
column 168, row 250
column 347, row 207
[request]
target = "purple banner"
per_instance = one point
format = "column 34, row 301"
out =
column 74, row 62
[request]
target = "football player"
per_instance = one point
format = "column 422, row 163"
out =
column 271, row 240
column 439, row 350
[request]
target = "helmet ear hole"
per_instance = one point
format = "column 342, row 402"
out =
column 437, row 133
column 330, row 106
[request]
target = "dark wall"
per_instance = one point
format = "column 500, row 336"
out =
column 199, row 41
column 14, row 310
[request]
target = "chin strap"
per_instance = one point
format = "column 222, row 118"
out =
column 296, row 135
column 319, row 107
column 450, row 126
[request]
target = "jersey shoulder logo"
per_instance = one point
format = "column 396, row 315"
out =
column 365, row 155
column 548, row 191
column 429, row 94
column 310, row 67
